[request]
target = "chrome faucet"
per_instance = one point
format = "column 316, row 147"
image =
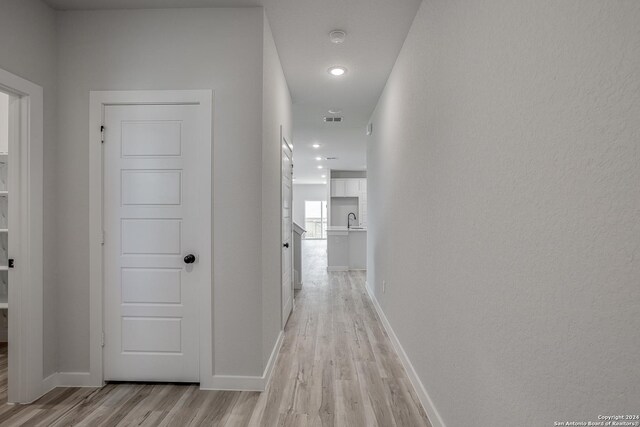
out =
column 349, row 219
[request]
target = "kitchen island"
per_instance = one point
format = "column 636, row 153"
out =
column 346, row 248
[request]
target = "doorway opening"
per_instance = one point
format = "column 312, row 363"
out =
column 21, row 240
column 315, row 219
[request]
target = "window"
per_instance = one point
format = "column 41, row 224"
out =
column 315, row 219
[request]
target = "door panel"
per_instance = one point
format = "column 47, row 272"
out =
column 151, row 187
column 287, row 233
column 151, row 222
column 151, row 138
column 151, row 285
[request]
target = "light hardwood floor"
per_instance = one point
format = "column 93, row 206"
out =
column 336, row 368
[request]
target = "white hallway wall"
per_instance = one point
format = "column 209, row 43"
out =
column 276, row 112
column 302, row 193
column 220, row 49
column 504, row 202
column 28, row 46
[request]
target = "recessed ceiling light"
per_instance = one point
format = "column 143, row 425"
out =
column 324, row 182
column 337, row 71
column 335, row 111
column 323, row 176
column 316, row 145
column 318, row 158
column 319, row 166
column 337, row 36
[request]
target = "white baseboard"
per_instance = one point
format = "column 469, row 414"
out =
column 247, row 383
column 49, row 383
column 217, row 382
column 423, row 396
column 273, row 358
column 67, row 379
column 75, row 379
column 235, row 383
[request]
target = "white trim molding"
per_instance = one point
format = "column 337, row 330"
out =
column 98, row 100
column 67, row 379
column 247, row 383
column 26, row 353
column 421, row 392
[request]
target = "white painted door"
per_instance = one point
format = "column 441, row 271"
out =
column 287, row 233
column 151, row 225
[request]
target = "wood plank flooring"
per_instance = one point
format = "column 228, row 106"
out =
column 336, row 368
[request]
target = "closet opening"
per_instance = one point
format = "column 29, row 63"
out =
column 21, row 241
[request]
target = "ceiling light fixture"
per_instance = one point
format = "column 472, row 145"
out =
column 335, row 111
column 337, row 36
column 318, row 158
column 320, row 167
column 316, row 145
column 323, row 176
column 337, row 71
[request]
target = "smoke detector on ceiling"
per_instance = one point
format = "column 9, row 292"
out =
column 337, row 36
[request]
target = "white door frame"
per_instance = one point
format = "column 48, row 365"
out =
column 25, row 203
column 98, row 100
column 284, row 320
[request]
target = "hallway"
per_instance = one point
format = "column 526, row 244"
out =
column 336, row 368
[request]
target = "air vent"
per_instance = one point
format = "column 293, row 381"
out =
column 333, row 119
column 332, row 158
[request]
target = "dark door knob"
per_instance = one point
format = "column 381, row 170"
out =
column 190, row 259
column 286, row 245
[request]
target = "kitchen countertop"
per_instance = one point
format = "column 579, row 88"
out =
column 344, row 228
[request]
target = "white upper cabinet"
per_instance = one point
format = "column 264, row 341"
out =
column 349, row 187
column 352, row 187
column 363, row 187
column 338, row 188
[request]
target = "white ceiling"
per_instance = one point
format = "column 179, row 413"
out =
column 375, row 30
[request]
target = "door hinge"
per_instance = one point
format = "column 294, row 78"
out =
column 102, row 134
column 102, row 340
column 102, row 238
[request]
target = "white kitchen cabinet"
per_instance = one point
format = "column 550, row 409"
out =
column 338, row 187
column 348, row 187
column 352, row 187
column 346, row 249
column 363, row 187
